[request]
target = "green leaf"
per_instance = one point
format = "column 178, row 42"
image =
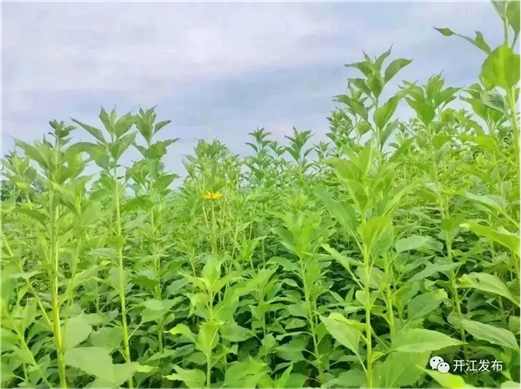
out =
column 384, row 113
column 512, row 14
column 193, row 379
column 486, row 283
column 493, row 201
column 447, row 380
column 479, row 41
column 377, row 234
column 208, row 337
column 415, row 242
column 121, row 145
column 424, row 304
column 494, row 100
column 34, row 214
column 445, row 31
column 106, row 252
column 244, row 374
column 235, row 333
column 510, row 384
column 77, row 330
column 110, row 337
column 342, row 212
column 400, row 370
column 490, row 333
column 95, row 361
column 420, row 340
column 394, row 67
column 6, row 373
column 346, row 262
column 96, row 133
column 376, row 277
column 514, row 324
column 123, row 125
column 292, row 351
column 501, row 68
column 344, row 331
column 423, row 109
column 29, row 313
column 499, row 235
column 182, row 329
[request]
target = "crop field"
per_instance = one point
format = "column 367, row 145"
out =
column 386, row 257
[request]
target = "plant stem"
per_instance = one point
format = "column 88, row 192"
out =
column 121, row 274
column 312, row 325
column 54, row 256
column 368, row 329
column 515, row 123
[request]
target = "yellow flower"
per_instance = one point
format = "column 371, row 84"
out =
column 212, row 195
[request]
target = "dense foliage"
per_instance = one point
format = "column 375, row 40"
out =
column 349, row 263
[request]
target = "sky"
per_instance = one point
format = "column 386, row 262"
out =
column 218, row 70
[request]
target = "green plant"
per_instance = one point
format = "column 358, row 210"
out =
column 347, row 263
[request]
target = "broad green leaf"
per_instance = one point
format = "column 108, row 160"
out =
column 394, row 67
column 109, row 337
column 346, row 262
column 493, row 201
column 420, row 340
column 25, row 275
column 425, row 303
column 501, row 68
column 490, row 333
column 486, row 283
column 424, row 109
column 432, row 269
column 235, row 333
column 499, row 235
column 208, row 337
column 415, row 242
column 182, row 329
column 510, row 385
column 342, row 212
column 104, row 253
column 77, row 330
column 377, row 234
column 514, row 324
column 512, row 15
column 96, row 133
column 495, row 100
column 6, row 373
column 292, row 351
column 29, row 313
column 95, row 361
column 384, row 113
column 120, row 146
column 123, row 125
column 376, row 277
column 400, row 370
column 449, row 381
column 193, row 379
column 244, row 374
column 344, row 331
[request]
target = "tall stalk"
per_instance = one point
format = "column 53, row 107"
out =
column 55, row 297
column 121, row 273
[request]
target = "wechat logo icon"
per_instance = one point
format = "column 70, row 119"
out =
column 437, row 363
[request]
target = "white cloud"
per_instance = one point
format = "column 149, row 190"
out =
column 68, row 54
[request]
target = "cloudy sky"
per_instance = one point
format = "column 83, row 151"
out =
column 217, row 70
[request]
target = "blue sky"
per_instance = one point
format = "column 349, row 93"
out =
column 217, row 70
